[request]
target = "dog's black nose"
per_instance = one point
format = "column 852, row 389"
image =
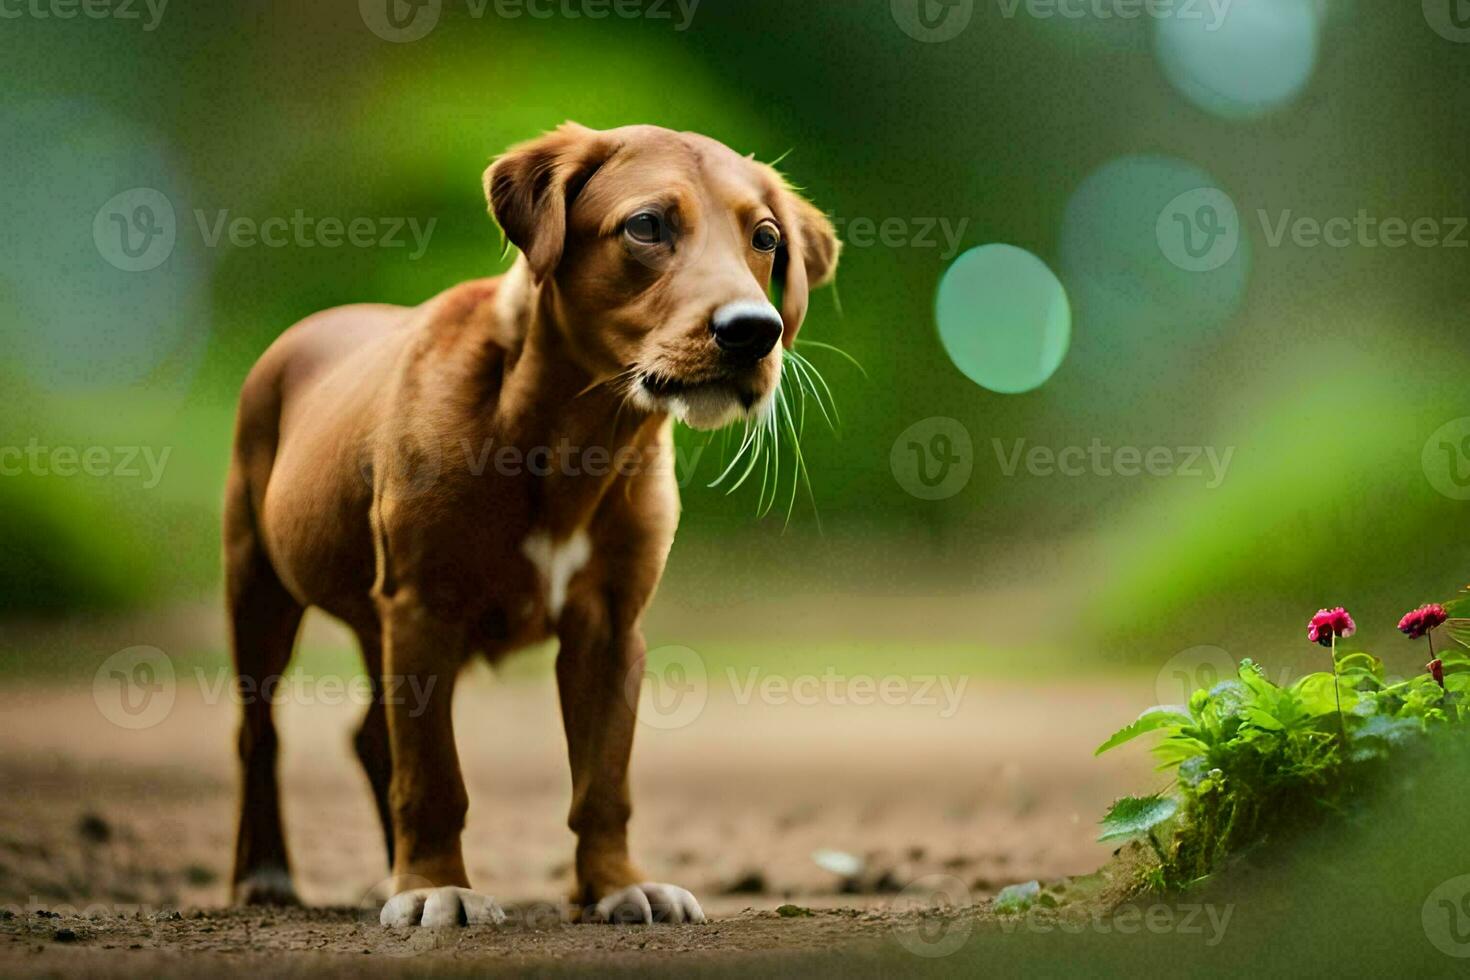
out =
column 747, row 330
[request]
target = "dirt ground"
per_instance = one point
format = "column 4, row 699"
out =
column 115, row 843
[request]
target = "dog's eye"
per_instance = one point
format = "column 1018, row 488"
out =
column 645, row 227
column 767, row 237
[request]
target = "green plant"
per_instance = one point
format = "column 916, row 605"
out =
column 1251, row 758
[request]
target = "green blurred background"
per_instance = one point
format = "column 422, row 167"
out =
column 1327, row 371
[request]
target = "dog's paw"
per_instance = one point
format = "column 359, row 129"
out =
column 648, row 903
column 266, row 886
column 436, row 907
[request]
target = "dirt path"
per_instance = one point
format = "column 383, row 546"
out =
column 126, row 834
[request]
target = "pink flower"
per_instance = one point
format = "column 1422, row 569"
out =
column 1329, row 623
column 1422, row 620
column 1436, row 670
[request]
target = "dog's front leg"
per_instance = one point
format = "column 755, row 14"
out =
column 599, row 671
column 421, row 658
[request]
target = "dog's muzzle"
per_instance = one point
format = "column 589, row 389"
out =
column 746, row 330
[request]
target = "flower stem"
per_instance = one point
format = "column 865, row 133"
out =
column 1337, row 691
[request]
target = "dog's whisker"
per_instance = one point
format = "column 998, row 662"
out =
column 804, row 475
column 814, row 378
column 803, row 372
column 773, row 452
column 744, row 445
column 838, row 351
column 775, row 458
column 796, row 460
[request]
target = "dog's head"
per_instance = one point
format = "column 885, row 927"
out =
column 660, row 252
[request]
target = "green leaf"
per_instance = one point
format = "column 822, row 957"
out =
column 1134, row 816
column 1162, row 716
column 1178, row 749
column 1356, row 665
column 1315, row 692
column 1458, row 630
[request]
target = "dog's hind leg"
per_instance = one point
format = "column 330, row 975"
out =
column 264, row 619
column 371, row 741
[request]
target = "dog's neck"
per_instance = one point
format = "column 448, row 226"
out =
column 550, row 399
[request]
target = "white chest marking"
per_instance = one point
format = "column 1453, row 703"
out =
column 556, row 563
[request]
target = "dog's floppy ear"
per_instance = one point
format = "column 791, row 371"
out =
column 807, row 260
column 531, row 186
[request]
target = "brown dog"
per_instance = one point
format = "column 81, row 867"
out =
column 375, row 477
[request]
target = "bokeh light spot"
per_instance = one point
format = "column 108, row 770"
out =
column 1142, row 308
column 1003, row 318
column 1253, row 57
